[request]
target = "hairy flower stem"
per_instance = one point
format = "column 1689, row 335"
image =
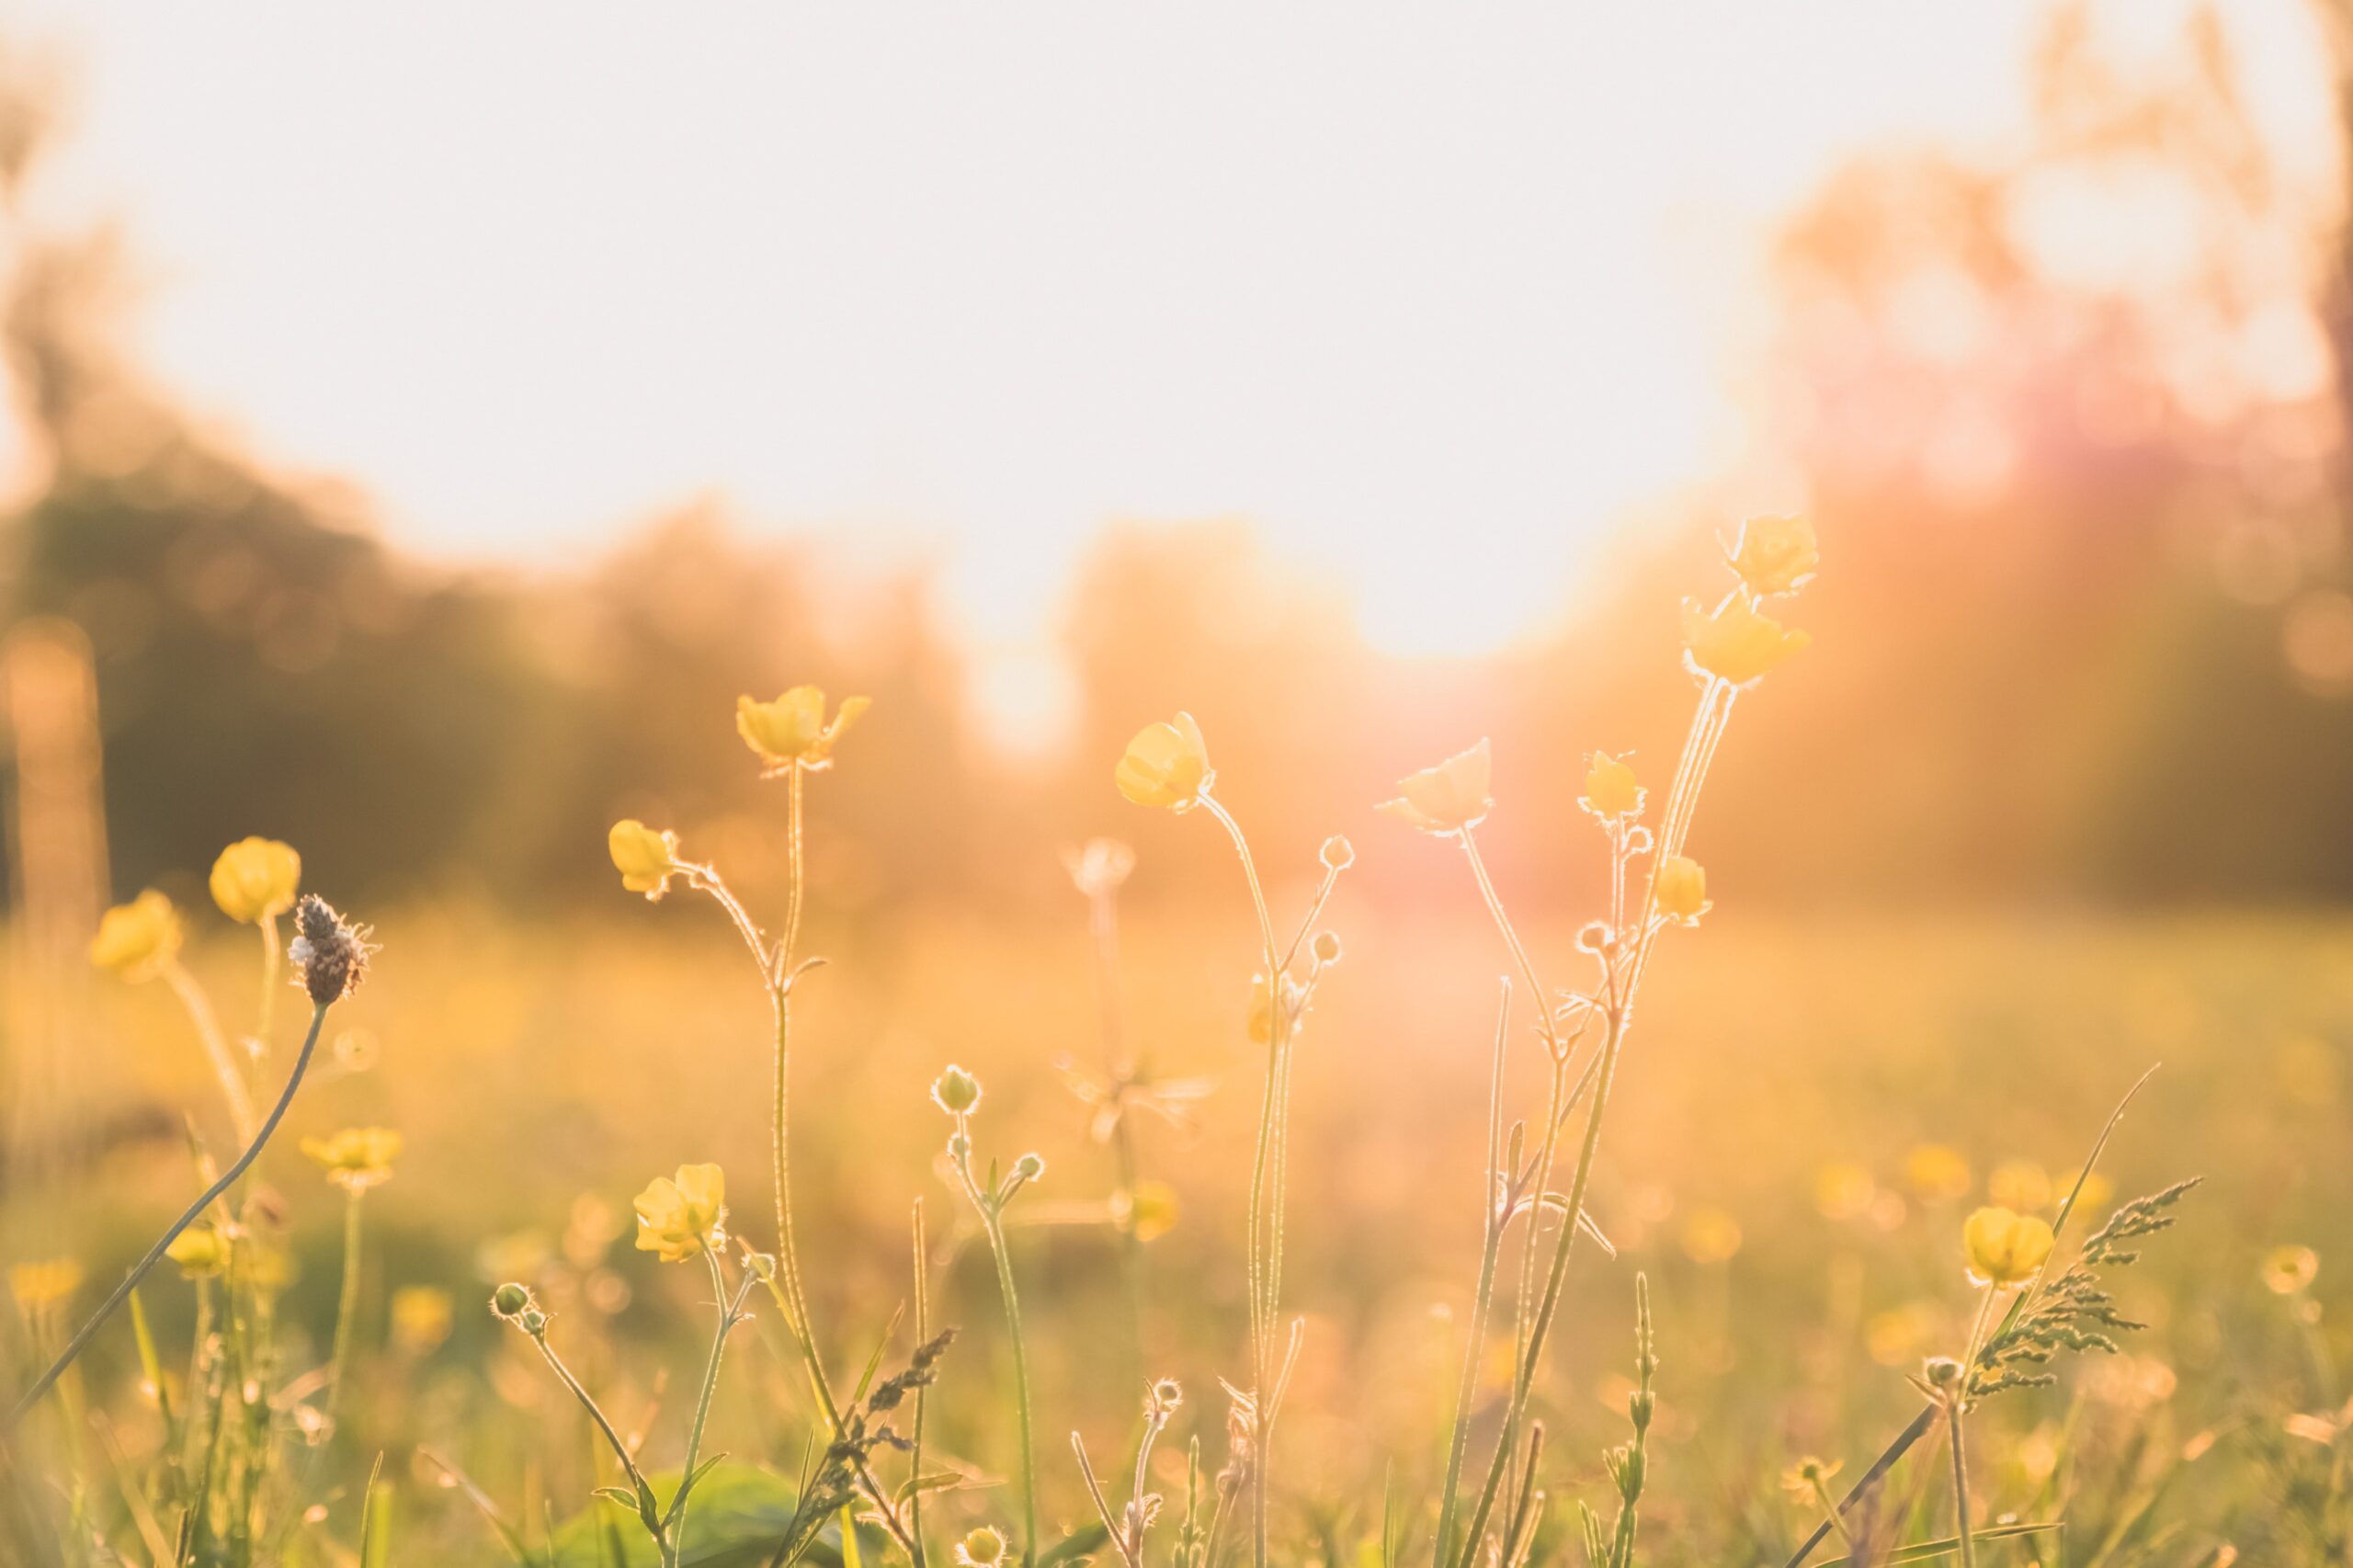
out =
column 730, row 1312
column 1268, row 1172
column 1623, row 969
column 347, row 1302
column 1497, row 1198
column 88, row 1331
column 605, row 1425
column 216, row 1048
column 991, row 1211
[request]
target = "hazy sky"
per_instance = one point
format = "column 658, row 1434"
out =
column 1432, row 293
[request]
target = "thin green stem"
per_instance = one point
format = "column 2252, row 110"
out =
column 914, row 1440
column 728, row 1311
column 1494, row 1198
column 139, row 1271
column 604, row 1425
column 346, row 1304
column 1961, row 1489
column 992, row 1226
column 216, row 1047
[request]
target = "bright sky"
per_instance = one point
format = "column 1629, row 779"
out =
column 1432, row 293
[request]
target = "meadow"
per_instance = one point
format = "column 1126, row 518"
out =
column 1806, row 1135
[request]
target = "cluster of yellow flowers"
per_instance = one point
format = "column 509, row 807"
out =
column 255, row 880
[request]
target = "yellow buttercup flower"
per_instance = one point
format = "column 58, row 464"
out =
column 201, row 1251
column 1611, row 788
column 791, row 732
column 1153, row 1210
column 678, row 1217
column 2288, row 1270
column 1775, row 555
column 1936, row 1171
column 1680, row 890
column 1167, row 765
column 1736, row 641
column 136, row 939
column 45, row 1285
column 646, row 859
column 357, row 1157
column 256, row 880
column 1447, row 799
column 2005, row 1247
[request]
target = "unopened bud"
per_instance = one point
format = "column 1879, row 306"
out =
column 509, row 1299
column 1327, row 948
column 1338, row 854
column 956, row 1091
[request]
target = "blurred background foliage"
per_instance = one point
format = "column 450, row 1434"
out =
column 2086, row 636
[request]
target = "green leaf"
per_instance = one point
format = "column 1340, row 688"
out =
column 741, row 1516
column 1928, row 1551
column 1091, row 1539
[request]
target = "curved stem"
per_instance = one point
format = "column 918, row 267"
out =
column 139, row 1271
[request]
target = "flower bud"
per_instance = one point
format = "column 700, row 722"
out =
column 1030, row 1167
column 1338, row 854
column 1327, row 948
column 956, row 1092
column 509, row 1299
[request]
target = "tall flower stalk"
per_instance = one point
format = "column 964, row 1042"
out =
column 1166, row 766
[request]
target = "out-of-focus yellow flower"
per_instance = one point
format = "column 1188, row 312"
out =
column 1262, row 1009
column 256, row 880
column 1805, row 1478
column 646, row 859
column 679, row 1216
column 138, row 938
column 1935, row 1170
column 1611, row 788
column 1711, row 1235
column 355, row 1158
column 2098, row 1190
column 1775, row 555
column 2289, row 1270
column 1897, row 1336
column 201, row 1251
column 1844, row 1191
column 2022, row 1185
column 422, row 1317
column 44, row 1285
column 1166, row 766
column 2005, row 1247
column 791, row 732
column 1153, row 1210
column 1736, row 641
column 1680, row 888
column 1448, row 798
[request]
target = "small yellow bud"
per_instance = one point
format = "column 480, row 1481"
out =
column 1680, row 888
column 1153, row 1210
column 1337, row 854
column 1775, row 555
column 1610, row 789
column 791, row 732
column 956, row 1092
column 1166, row 766
column 1327, row 948
column 982, row 1547
column 137, row 940
column 646, row 859
column 679, row 1216
column 1736, row 641
column 1448, row 798
column 256, row 880
column 2005, row 1247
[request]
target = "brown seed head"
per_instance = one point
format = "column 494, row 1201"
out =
column 330, row 954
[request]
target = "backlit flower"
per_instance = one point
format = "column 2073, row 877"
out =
column 679, row 1216
column 44, row 1286
column 256, row 878
column 1611, row 788
column 956, row 1091
column 1098, row 866
column 1680, row 890
column 357, row 1157
column 646, row 859
column 1736, row 641
column 136, row 939
column 2005, row 1247
column 1153, row 1210
column 422, row 1317
column 1167, row 765
column 1448, row 798
column 1775, row 555
column 791, row 732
